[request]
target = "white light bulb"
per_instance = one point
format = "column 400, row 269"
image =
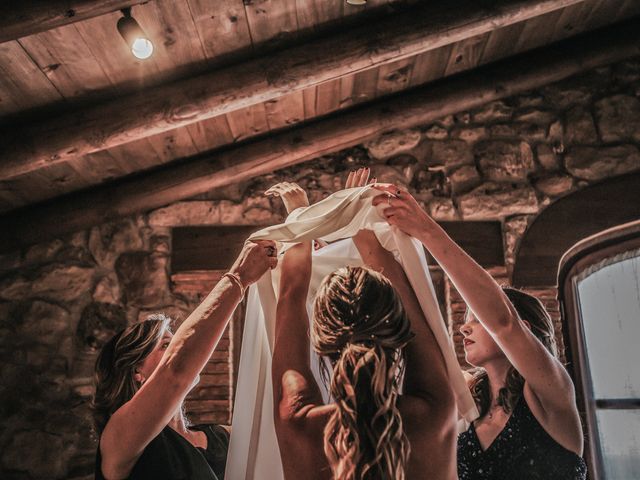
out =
column 142, row 48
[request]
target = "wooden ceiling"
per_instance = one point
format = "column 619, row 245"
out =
column 77, row 110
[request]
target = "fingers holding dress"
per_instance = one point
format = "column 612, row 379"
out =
column 293, row 195
column 358, row 178
column 401, row 209
column 254, row 260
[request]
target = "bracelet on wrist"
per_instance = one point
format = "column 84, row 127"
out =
column 235, row 279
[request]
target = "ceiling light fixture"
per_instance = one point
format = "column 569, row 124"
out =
column 357, row 2
column 140, row 45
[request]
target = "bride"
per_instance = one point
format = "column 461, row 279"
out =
column 392, row 412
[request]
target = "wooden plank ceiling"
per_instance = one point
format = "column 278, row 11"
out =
column 69, row 95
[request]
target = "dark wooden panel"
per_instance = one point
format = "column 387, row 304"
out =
column 481, row 240
column 207, row 248
column 215, row 248
column 569, row 220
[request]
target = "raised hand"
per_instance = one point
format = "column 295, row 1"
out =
column 254, row 259
column 359, row 178
column 293, row 195
column 402, row 210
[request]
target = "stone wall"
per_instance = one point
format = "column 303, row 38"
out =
column 60, row 301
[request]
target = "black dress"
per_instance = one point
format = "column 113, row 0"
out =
column 523, row 450
column 172, row 457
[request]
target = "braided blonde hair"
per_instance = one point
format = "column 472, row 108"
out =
column 360, row 325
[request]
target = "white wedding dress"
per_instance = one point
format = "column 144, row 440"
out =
column 253, row 450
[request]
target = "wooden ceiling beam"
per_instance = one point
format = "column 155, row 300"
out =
column 167, row 107
column 242, row 162
column 20, row 19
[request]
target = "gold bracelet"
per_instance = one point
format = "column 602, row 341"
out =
column 236, row 280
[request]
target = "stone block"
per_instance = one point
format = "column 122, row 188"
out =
column 441, row 208
column 98, row 323
column 144, row 279
column 493, row 112
column 107, row 289
column 503, row 161
column 422, row 152
column 63, row 282
column 580, row 129
column 469, row 134
column 436, row 132
column 56, row 282
column 464, row 179
column 564, row 96
column 555, row 185
column 393, row 143
column 627, row 72
column 529, row 100
column 491, row 201
column 451, row 154
column 547, row 157
column 514, row 228
column 388, row 174
column 590, row 163
column 536, row 116
column 407, row 164
column 45, row 323
column 556, row 133
column 618, row 118
column 109, row 240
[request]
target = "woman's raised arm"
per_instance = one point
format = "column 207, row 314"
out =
column 137, row 422
column 544, row 374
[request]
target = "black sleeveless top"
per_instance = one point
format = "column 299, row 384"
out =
column 523, row 450
column 170, row 456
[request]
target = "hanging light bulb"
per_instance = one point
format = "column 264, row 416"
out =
column 357, row 2
column 140, row 45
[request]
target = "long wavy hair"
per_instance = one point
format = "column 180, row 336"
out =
column 116, row 365
column 529, row 308
column 361, row 327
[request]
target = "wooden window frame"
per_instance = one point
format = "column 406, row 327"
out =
column 582, row 256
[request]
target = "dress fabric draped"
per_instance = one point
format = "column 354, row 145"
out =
column 253, row 451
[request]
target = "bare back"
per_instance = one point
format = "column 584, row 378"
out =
column 431, row 438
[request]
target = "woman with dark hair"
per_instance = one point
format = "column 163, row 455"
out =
column 144, row 373
column 371, row 330
column 529, row 427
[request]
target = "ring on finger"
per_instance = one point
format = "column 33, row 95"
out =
column 398, row 192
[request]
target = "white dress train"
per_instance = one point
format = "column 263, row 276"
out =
column 253, row 450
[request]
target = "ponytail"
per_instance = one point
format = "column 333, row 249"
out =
column 364, row 438
column 361, row 327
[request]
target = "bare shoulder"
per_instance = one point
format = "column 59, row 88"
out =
column 426, row 420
